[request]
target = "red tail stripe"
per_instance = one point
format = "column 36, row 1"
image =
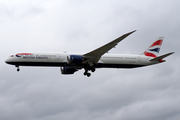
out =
column 150, row 54
column 159, row 42
column 161, row 60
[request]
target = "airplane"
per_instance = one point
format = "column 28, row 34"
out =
column 70, row 63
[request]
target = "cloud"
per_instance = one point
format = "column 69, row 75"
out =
column 41, row 93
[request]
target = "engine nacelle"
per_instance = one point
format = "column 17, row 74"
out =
column 65, row 70
column 74, row 59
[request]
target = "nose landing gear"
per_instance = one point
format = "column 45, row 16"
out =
column 18, row 69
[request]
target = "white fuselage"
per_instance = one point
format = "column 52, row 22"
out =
column 60, row 60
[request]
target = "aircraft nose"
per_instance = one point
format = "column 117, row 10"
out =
column 7, row 61
column 11, row 60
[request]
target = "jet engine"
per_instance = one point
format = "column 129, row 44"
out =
column 65, row 70
column 75, row 59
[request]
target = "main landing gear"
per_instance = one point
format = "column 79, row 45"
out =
column 87, row 73
column 18, row 69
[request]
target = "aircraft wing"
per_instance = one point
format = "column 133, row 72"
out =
column 94, row 56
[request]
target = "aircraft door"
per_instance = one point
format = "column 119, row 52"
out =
column 58, row 56
column 139, row 60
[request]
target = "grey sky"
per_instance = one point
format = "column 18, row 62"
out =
column 37, row 93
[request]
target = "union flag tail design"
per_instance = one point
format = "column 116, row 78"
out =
column 154, row 49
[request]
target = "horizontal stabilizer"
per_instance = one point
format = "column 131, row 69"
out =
column 161, row 57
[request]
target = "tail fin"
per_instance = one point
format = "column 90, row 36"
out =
column 154, row 49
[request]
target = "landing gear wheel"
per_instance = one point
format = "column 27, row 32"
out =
column 88, row 74
column 17, row 67
column 85, row 73
column 93, row 69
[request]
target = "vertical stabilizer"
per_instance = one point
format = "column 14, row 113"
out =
column 154, row 49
